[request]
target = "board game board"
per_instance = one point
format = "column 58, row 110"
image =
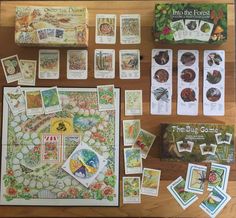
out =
column 29, row 180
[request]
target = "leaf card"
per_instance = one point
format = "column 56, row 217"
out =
column 131, row 129
column 133, row 102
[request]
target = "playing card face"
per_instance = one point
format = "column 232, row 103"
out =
column 129, row 64
column 105, row 29
column 205, row 30
column 12, row 68
column 77, row 64
column 131, row 190
column 104, row 64
column 130, row 29
column 70, row 142
column 150, row 182
column 133, row 160
column 61, row 125
column 178, row 29
column 29, row 68
column 131, row 129
column 42, row 35
column 191, row 28
column 133, row 102
column 49, row 61
column 185, row 199
column 34, row 102
column 106, row 97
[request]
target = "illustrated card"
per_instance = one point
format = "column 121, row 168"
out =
column 195, row 179
column 70, row 142
column 77, row 64
column 84, row 164
column 133, row 160
column 29, row 69
column 184, row 199
column 12, row 68
column 104, row 64
column 131, row 130
column 129, row 64
column 215, row 202
column 223, row 138
column 49, row 62
column 150, row 182
column 191, row 29
column 144, row 141
column 208, row 149
column 205, row 30
column 105, row 29
column 130, row 29
column 133, row 102
column 61, row 125
column 185, row 146
column 34, row 102
column 106, row 97
column 42, row 35
column 218, row 177
column 131, row 190
column 178, row 28
column 16, row 100
column 51, row 100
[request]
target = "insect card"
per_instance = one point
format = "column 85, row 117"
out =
column 185, row 146
column 77, row 64
column 105, row 29
column 184, row 198
column 106, row 97
column 29, row 69
column 223, row 138
column 84, row 164
column 150, row 182
column 69, row 143
column 131, row 190
column 129, row 64
column 133, row 102
column 104, row 63
column 34, row 102
column 178, row 29
column 205, row 30
column 208, row 149
column 133, row 160
column 61, row 125
column 131, row 129
column 49, row 62
column 130, row 29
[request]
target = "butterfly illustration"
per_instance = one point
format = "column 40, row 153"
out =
column 13, row 96
column 25, row 169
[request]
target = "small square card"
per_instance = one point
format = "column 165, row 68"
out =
column 49, row 62
column 84, row 164
column 195, row 179
column 61, row 125
column 106, row 97
column 129, row 64
column 150, row 182
column 133, row 102
column 131, row 190
column 133, row 160
column 144, row 141
column 34, row 103
column 12, row 68
column 29, row 68
column 70, row 142
column 131, row 130
column 185, row 199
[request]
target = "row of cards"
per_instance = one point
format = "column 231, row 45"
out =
column 185, row 191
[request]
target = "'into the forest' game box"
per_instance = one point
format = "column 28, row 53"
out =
column 190, row 23
column 197, row 142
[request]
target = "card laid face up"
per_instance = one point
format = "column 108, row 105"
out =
column 34, row 102
column 106, row 97
column 131, row 129
column 133, row 102
column 131, row 190
column 133, row 160
column 29, row 70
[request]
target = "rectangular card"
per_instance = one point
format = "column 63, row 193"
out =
column 61, row 125
column 178, row 28
column 131, row 130
column 49, row 64
column 131, row 190
column 51, row 100
column 130, row 29
column 129, row 64
column 51, row 33
column 195, row 179
column 208, row 149
column 205, row 30
column 176, row 188
column 77, row 64
column 133, row 160
column 42, row 35
column 29, row 70
column 34, row 102
column 150, row 182
column 105, row 97
column 70, row 142
column 12, row 68
column 191, row 29
column 133, row 102
column 104, row 63
column 144, row 141
column 105, row 29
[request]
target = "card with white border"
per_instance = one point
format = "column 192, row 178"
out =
column 131, row 130
column 133, row 102
column 133, row 161
column 178, row 28
column 131, row 190
column 29, row 70
column 69, row 144
column 205, row 30
column 191, row 29
column 34, row 102
column 105, row 95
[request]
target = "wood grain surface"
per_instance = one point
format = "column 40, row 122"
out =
column 164, row 205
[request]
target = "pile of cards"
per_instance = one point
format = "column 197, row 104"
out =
column 185, row 191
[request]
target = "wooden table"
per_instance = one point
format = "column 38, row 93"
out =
column 164, row 205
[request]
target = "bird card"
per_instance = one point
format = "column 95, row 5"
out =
column 77, row 64
column 29, row 69
column 129, row 64
column 131, row 190
column 105, row 29
column 84, row 164
column 133, row 102
column 215, row 202
column 69, row 142
column 15, row 99
column 205, row 30
column 144, row 141
column 131, row 130
column 195, row 179
column 133, row 161
column 51, row 100
column 184, row 198
column 34, row 102
column 218, row 176
column 104, row 64
column 106, row 97
column 12, row 68
column 150, row 182
column 191, row 29
column 49, row 62
column 130, row 29
column 178, row 28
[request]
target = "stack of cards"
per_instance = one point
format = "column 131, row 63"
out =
column 214, row 83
